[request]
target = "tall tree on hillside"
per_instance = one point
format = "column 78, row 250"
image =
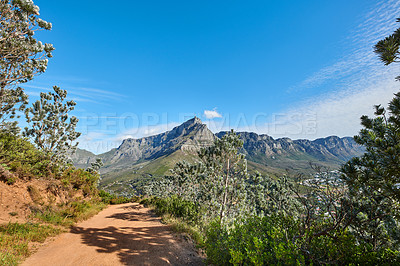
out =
column 217, row 183
column 50, row 128
column 226, row 174
column 377, row 172
column 21, row 55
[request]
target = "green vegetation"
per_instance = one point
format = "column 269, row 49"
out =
column 68, row 214
column 50, row 128
column 108, row 198
column 21, row 56
column 15, row 239
column 282, row 221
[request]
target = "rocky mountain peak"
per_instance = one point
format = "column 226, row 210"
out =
column 194, row 120
column 189, row 136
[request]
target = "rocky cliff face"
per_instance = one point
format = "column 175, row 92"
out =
column 335, row 149
column 190, row 137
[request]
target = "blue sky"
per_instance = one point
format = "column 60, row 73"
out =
column 301, row 69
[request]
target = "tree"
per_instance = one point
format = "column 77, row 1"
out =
column 378, row 170
column 388, row 48
column 50, row 128
column 21, row 55
column 216, row 183
column 373, row 179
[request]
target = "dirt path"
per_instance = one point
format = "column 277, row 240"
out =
column 127, row 234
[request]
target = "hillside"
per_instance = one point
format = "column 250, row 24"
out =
column 138, row 160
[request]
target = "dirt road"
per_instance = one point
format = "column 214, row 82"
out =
column 127, row 234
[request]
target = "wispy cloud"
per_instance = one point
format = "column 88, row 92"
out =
column 211, row 114
column 76, row 92
column 358, row 80
column 358, row 60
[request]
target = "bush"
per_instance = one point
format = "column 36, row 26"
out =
column 113, row 199
column 277, row 240
column 68, row 214
column 175, row 206
column 256, row 241
column 23, row 159
column 15, row 237
column 80, row 179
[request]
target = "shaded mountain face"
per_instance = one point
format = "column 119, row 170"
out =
column 190, row 137
column 83, row 158
column 264, row 149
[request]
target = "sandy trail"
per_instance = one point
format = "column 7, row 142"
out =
column 127, row 234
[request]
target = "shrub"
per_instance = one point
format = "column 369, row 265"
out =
column 22, row 158
column 14, row 239
column 255, row 241
column 175, row 206
column 113, row 199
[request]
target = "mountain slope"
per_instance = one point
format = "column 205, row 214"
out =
column 285, row 153
column 190, row 137
column 136, row 160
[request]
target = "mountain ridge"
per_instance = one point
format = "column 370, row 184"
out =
column 152, row 156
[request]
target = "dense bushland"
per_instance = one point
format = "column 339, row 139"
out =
column 330, row 218
column 108, row 198
column 20, row 159
column 284, row 221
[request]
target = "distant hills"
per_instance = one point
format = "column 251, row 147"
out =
column 152, row 157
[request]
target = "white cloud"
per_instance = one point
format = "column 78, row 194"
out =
column 211, row 114
column 358, row 80
column 358, row 59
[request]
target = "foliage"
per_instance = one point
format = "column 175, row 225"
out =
column 378, row 170
column 388, row 48
column 216, row 181
column 108, row 198
column 226, row 172
column 256, row 241
column 9, row 99
column 266, row 196
column 314, row 222
column 177, row 207
column 79, row 179
column 274, row 240
column 95, row 167
column 14, row 239
column 22, row 56
column 25, row 161
column 69, row 213
column 50, row 128
column 22, row 158
column 373, row 179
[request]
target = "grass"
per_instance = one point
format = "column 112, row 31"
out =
column 15, row 239
column 68, row 214
column 180, row 226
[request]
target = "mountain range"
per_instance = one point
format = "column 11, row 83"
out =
column 152, row 157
